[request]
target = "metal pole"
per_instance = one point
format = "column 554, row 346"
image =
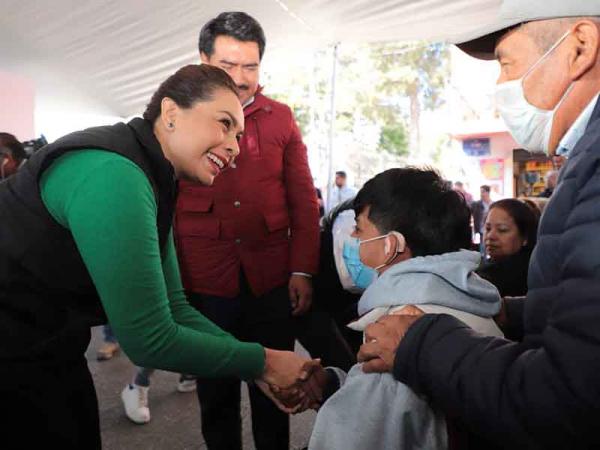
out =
column 332, row 122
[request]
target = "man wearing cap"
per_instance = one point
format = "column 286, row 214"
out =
column 542, row 391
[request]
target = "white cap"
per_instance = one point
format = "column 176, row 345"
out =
column 481, row 42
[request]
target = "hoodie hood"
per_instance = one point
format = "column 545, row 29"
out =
column 447, row 280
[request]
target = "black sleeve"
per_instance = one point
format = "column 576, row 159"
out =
column 515, row 307
column 505, row 391
column 508, row 275
column 332, row 385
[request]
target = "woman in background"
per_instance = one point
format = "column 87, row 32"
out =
column 12, row 155
column 510, row 232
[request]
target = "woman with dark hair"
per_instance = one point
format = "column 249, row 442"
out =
column 12, row 155
column 85, row 235
column 510, row 232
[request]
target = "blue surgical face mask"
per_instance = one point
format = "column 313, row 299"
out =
column 362, row 275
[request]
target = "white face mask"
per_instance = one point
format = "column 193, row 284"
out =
column 390, row 253
column 529, row 125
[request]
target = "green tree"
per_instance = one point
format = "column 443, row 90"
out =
column 393, row 139
column 390, row 84
column 414, row 71
column 381, row 90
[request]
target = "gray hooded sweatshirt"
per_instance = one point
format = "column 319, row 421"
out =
column 374, row 411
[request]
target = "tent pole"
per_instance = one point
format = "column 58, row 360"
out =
column 332, row 122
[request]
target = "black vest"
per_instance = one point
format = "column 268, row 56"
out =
column 47, row 299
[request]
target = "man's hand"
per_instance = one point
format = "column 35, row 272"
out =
column 284, row 372
column 284, row 368
column 312, row 391
column 300, row 288
column 291, row 400
column 383, row 337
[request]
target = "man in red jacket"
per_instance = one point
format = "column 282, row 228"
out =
column 249, row 244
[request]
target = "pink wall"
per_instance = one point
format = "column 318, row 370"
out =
column 502, row 145
column 16, row 106
column 501, row 148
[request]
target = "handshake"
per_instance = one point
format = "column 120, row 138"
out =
column 293, row 383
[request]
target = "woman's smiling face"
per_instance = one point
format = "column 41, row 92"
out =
column 202, row 140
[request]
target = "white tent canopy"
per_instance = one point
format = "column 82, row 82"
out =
column 111, row 55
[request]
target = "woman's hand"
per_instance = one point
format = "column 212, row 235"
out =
column 283, row 368
column 274, row 394
column 284, row 371
column 304, row 394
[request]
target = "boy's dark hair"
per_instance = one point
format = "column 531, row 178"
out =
column 524, row 216
column 418, row 203
column 235, row 24
column 190, row 84
column 485, row 188
column 341, row 173
column 14, row 146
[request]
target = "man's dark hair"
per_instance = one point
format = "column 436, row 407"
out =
column 341, row 173
column 190, row 84
column 524, row 216
column 235, row 24
column 485, row 188
column 418, row 203
column 14, row 146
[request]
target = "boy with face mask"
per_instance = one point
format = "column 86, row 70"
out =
column 407, row 251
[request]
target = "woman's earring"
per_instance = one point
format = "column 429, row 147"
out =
column 170, row 125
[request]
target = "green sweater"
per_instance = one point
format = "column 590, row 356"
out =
column 107, row 203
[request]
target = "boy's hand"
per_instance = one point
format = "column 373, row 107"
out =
column 304, row 394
